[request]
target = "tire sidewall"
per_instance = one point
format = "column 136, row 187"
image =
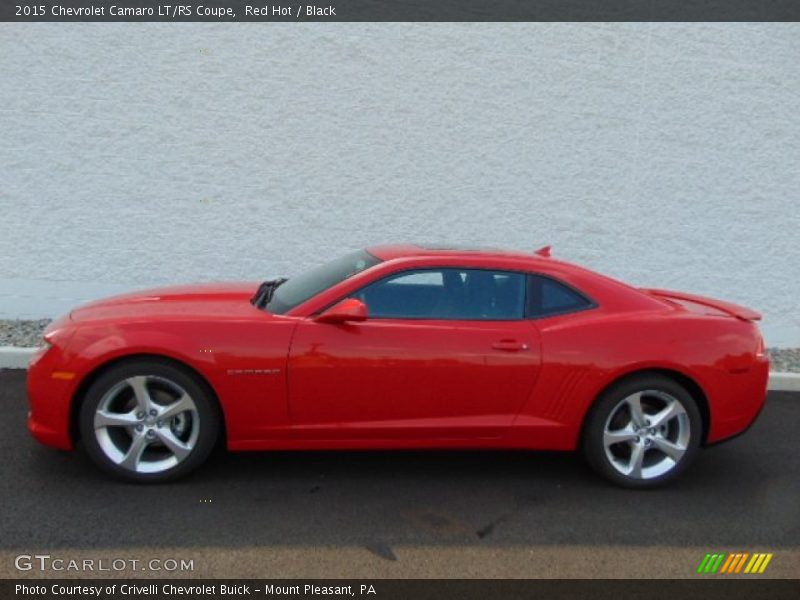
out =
column 594, row 449
column 207, row 412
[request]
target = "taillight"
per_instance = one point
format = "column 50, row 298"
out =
column 761, row 350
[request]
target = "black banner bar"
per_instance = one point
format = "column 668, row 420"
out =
column 716, row 588
column 398, row 10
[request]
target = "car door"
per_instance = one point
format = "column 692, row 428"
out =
column 444, row 354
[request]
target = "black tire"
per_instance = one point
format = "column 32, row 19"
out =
column 612, row 403
column 162, row 378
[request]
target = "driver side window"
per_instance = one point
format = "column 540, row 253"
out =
column 451, row 293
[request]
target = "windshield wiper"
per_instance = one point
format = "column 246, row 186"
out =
column 264, row 293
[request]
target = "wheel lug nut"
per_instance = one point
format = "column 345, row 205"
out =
column 150, row 433
column 140, row 415
column 139, row 427
column 153, row 412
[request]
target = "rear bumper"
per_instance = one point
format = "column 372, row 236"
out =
column 740, row 433
column 738, row 400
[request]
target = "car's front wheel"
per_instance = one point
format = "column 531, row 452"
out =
column 148, row 421
column 643, row 431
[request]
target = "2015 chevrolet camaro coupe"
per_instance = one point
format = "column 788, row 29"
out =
column 402, row 347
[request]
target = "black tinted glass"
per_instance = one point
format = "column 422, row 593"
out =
column 549, row 297
column 306, row 285
column 459, row 294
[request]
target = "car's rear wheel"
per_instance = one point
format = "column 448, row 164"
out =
column 148, row 421
column 643, row 431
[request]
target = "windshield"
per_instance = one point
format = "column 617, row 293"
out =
column 298, row 289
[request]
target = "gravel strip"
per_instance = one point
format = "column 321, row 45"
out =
column 27, row 334
column 23, row 334
column 784, row 360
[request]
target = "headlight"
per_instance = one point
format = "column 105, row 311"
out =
column 52, row 338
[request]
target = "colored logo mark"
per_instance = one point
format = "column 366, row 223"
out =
column 737, row 562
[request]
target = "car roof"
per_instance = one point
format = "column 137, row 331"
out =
column 393, row 251
column 614, row 294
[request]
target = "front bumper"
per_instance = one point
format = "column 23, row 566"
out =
column 50, row 390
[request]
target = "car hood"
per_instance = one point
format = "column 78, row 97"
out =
column 209, row 299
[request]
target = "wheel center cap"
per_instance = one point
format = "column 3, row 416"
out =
column 646, row 436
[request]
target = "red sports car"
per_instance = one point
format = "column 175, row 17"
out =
column 402, row 347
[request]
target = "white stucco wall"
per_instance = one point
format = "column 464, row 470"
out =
column 134, row 154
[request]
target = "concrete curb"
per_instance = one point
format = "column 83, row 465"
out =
column 12, row 357
column 784, row 382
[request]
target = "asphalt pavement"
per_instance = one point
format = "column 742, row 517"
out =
column 402, row 514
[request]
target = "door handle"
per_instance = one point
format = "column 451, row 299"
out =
column 510, row 345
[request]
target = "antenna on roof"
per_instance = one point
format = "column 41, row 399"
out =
column 544, row 251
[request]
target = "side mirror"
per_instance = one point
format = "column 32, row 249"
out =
column 349, row 309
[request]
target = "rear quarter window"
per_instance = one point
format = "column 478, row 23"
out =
column 548, row 297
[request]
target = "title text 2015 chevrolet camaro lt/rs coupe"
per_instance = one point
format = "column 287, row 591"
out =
column 402, row 347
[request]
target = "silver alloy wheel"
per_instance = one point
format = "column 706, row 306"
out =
column 646, row 434
column 146, row 424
